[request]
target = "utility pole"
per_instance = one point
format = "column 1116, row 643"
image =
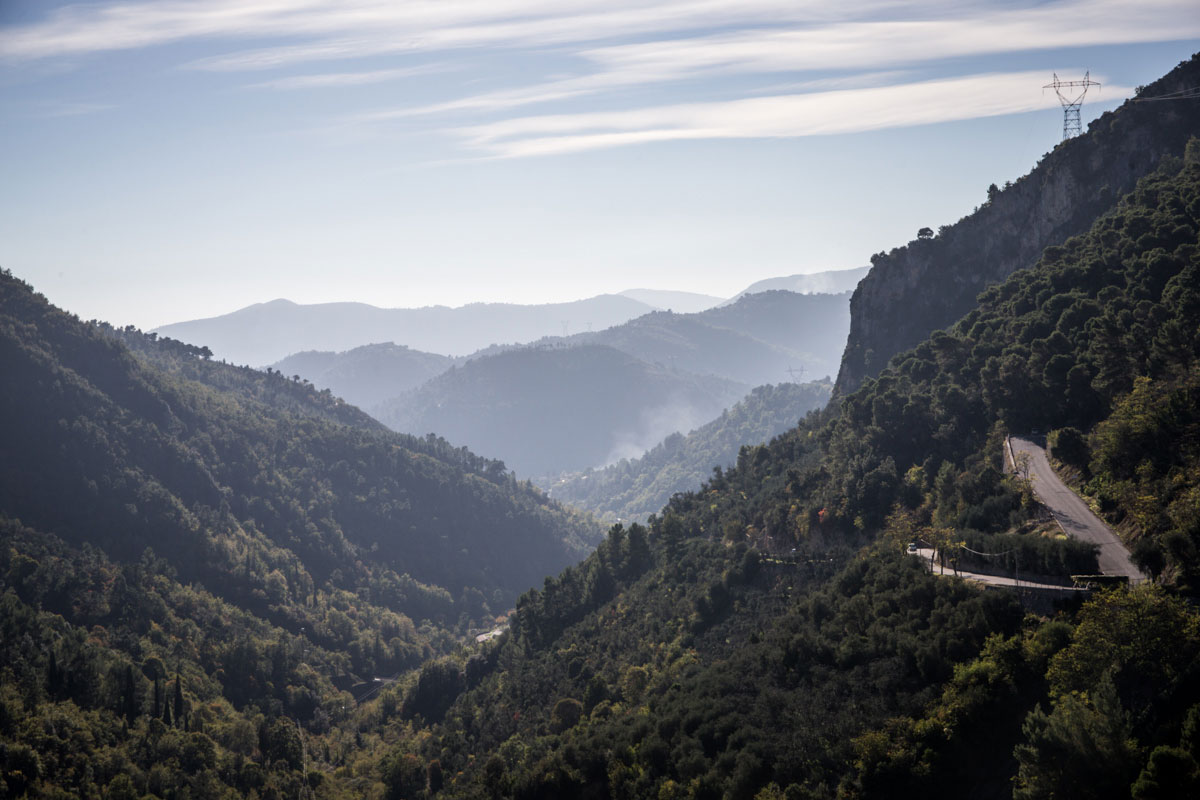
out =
column 1071, row 99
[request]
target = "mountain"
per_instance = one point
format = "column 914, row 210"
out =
column 929, row 283
column 688, row 342
column 636, row 488
column 756, row 340
column 127, row 441
column 368, row 375
column 265, row 333
column 679, row 302
column 812, row 326
column 761, row 338
column 768, row 635
column 546, row 410
column 829, row 282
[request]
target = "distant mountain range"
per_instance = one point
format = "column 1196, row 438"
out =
column 563, row 404
column 267, row 332
column 547, row 410
column 829, row 282
column 264, row 333
column 679, row 302
column 762, row 338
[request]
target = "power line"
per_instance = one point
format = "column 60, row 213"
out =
column 1190, row 93
column 976, row 552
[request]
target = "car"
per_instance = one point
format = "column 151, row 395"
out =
column 912, row 547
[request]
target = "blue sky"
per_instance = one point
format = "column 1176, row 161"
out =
column 166, row 160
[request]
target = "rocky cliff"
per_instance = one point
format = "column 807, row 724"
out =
column 930, row 283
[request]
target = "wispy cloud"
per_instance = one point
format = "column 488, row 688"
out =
column 848, row 46
column 783, row 116
column 342, row 79
column 377, row 24
column 827, row 33
column 52, row 109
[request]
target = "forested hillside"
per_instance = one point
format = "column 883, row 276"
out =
column 686, row 660
column 207, row 463
column 199, row 560
column 636, row 488
column 546, row 410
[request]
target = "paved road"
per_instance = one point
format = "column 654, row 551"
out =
column 1073, row 514
column 929, row 557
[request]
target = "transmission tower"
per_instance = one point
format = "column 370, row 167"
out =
column 1071, row 100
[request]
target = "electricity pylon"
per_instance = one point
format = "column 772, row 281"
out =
column 1071, row 101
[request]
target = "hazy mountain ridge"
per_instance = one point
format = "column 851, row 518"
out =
column 268, row 332
column 929, row 283
column 366, row 376
column 756, row 340
column 633, row 489
column 827, row 282
column 545, row 410
column 800, row 334
column 677, row 301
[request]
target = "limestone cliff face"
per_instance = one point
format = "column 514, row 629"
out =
column 929, row 283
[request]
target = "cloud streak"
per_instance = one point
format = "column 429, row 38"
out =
column 847, row 46
column 377, row 25
column 782, row 116
column 343, row 79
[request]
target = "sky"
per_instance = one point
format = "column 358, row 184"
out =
column 168, row 160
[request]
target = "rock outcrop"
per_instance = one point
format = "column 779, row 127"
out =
column 931, row 282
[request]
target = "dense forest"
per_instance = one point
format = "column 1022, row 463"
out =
column 633, row 489
column 188, row 543
column 691, row 659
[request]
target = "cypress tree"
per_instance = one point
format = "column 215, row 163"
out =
column 129, row 700
column 53, row 676
column 178, row 697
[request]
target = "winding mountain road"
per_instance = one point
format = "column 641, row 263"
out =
column 928, row 556
column 1071, row 513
